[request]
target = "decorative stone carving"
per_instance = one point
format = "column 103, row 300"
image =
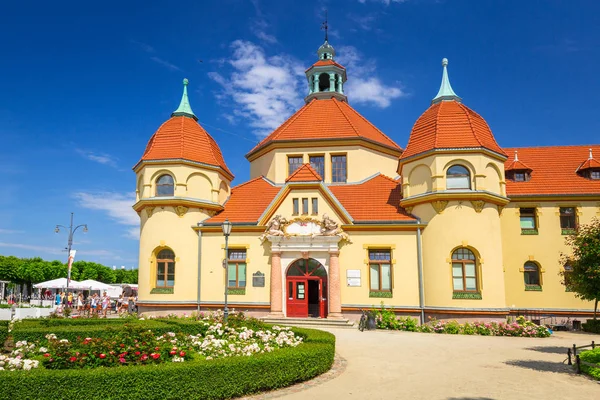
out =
column 305, row 255
column 274, row 227
column 439, row 205
column 478, row 205
column 181, row 210
column 409, row 209
column 500, row 209
column 149, row 211
column 330, row 228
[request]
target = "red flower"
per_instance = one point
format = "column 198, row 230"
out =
column 137, row 353
column 155, row 355
column 157, row 348
column 122, row 360
column 144, row 357
column 172, row 352
column 102, row 355
column 182, row 353
column 73, row 359
column 122, row 345
column 47, row 355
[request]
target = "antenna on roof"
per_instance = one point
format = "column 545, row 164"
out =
column 325, row 26
column 516, row 155
column 591, row 153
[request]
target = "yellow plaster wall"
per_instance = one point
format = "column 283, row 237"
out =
column 190, row 181
column 460, row 225
column 545, row 249
column 164, row 228
column 405, row 283
column 361, row 162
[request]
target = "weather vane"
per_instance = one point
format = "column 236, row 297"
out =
column 324, row 26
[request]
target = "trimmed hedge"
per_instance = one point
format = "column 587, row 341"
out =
column 3, row 333
column 197, row 379
column 591, row 325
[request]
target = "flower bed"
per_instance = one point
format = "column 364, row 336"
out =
column 217, row 362
column 386, row 319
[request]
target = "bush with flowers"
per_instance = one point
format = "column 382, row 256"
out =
column 386, row 319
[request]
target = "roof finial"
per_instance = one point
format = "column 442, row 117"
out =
column 516, row 155
column 325, row 26
column 445, row 92
column 184, row 108
column 591, row 156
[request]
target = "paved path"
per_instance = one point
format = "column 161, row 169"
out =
column 405, row 365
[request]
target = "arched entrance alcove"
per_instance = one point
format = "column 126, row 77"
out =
column 306, row 289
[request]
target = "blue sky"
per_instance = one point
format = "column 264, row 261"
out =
column 83, row 86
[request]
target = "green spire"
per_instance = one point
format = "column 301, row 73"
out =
column 184, row 107
column 445, row 93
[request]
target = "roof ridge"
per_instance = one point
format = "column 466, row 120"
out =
column 335, row 101
column 553, row 146
column 250, row 181
column 305, row 166
column 389, row 178
column 435, row 124
column 466, row 111
column 373, row 125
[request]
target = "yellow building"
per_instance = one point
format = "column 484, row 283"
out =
column 337, row 217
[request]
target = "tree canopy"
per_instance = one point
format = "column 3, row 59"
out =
column 33, row 270
column 583, row 276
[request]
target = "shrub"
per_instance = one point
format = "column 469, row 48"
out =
column 213, row 379
column 591, row 356
column 591, row 325
column 3, row 333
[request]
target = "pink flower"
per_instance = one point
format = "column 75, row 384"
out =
column 122, row 360
column 155, row 356
column 144, row 357
column 47, row 355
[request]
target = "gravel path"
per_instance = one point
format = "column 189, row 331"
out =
column 404, row 365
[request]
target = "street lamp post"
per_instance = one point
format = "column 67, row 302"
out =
column 226, row 232
column 70, row 242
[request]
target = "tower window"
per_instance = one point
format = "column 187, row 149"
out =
column 458, row 177
column 165, row 186
column 324, row 82
column 339, row 172
column 318, row 163
column 293, row 164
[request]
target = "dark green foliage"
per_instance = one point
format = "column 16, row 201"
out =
column 591, row 356
column 3, row 332
column 197, row 379
column 592, row 326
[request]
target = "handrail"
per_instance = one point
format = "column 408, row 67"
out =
column 572, row 352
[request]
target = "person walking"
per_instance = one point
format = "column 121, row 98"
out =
column 105, row 303
column 94, row 304
column 70, row 299
column 80, row 303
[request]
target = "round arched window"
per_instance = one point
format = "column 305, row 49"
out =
column 458, row 177
column 464, row 271
column 165, row 186
column 324, row 82
column 532, row 274
column 165, row 269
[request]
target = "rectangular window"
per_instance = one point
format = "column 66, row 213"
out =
column 315, row 206
column 293, row 164
column 338, row 169
column 236, row 269
column 464, row 276
column 528, row 220
column 380, row 270
column 318, row 163
column 305, row 205
column 594, row 174
column 520, row 176
column 296, row 204
column 567, row 217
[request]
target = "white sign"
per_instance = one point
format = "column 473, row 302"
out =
column 353, row 281
column 353, row 273
column 303, row 228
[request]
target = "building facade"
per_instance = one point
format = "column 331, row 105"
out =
column 337, row 217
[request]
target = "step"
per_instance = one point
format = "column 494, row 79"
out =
column 311, row 322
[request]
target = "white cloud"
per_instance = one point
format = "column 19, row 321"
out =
column 165, row 63
column 100, row 158
column 116, row 205
column 369, row 89
column 266, row 89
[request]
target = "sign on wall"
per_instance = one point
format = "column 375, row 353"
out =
column 353, row 277
column 258, row 279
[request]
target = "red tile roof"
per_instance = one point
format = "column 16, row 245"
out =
column 323, row 63
column 517, row 166
column 327, row 119
column 305, row 173
column 377, row 199
column 554, row 171
column 181, row 137
column 589, row 163
column 247, row 201
column 450, row 124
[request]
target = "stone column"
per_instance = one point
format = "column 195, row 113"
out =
column 331, row 82
column 315, row 83
column 335, row 297
column 276, row 285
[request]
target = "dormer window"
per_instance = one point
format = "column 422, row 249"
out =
column 519, row 175
column 590, row 168
column 595, row 174
column 458, row 177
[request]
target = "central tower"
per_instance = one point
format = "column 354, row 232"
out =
column 326, row 77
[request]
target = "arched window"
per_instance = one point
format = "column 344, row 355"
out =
column 464, row 271
column 165, row 269
column 324, row 82
column 532, row 275
column 165, row 186
column 458, row 177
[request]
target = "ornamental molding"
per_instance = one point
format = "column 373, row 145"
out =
column 478, row 205
column 409, row 209
column 181, row 210
column 439, row 205
column 303, row 227
column 500, row 209
column 149, row 211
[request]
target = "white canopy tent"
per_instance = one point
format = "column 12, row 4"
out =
column 60, row 283
column 91, row 284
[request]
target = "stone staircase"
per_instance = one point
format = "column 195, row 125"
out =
column 315, row 323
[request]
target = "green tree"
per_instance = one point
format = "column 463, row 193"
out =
column 9, row 266
column 584, row 276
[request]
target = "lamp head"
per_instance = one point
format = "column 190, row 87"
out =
column 226, row 227
column 85, row 228
column 57, row 229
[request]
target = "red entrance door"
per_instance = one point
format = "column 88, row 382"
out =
column 306, row 289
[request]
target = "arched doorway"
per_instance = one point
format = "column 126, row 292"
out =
column 306, row 289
